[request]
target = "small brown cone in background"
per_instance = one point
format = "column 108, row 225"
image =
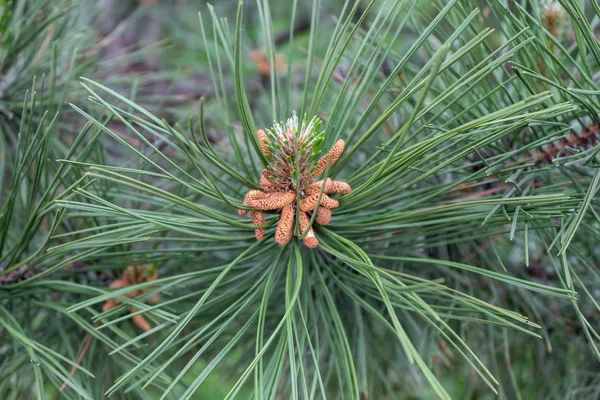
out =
column 110, row 304
column 140, row 321
column 119, row 283
column 133, row 275
column 261, row 61
column 262, row 138
column 323, row 216
column 285, row 227
column 310, row 240
column 329, row 158
column 258, row 219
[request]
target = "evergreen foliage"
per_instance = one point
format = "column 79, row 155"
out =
column 463, row 263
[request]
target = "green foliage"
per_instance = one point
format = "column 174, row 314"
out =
column 41, row 55
column 461, row 265
column 44, row 40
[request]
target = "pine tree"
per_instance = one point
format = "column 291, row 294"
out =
column 397, row 202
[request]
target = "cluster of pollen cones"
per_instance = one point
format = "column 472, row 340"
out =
column 279, row 194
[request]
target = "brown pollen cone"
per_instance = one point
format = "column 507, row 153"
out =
column 323, row 216
column 262, row 138
column 268, row 201
column 309, row 203
column 331, row 187
column 267, row 184
column 258, row 219
column 285, row 227
column 310, row 240
column 329, row 158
